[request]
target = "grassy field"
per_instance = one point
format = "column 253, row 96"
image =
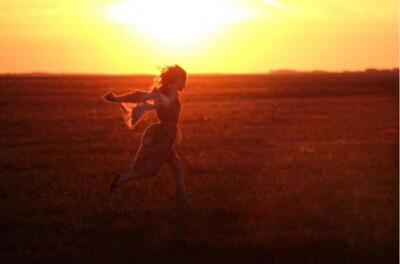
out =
column 298, row 168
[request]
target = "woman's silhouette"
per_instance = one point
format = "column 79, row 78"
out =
column 157, row 144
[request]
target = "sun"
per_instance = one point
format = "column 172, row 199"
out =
column 176, row 22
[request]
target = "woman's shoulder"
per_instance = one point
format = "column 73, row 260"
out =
column 173, row 96
column 155, row 90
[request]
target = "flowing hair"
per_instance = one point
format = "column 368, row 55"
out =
column 168, row 74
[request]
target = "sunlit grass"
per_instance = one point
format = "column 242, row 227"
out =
column 300, row 169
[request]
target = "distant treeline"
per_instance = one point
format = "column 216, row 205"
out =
column 394, row 71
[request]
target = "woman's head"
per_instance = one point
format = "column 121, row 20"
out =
column 171, row 77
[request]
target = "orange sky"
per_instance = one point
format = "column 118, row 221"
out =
column 209, row 36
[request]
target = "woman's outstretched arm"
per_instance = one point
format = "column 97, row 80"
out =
column 132, row 97
column 160, row 100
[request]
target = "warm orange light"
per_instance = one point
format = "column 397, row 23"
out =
column 217, row 36
column 177, row 22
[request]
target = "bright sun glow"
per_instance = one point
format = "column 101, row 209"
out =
column 177, row 22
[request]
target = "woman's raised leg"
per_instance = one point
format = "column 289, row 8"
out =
column 122, row 178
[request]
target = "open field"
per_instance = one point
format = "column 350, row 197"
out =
column 279, row 169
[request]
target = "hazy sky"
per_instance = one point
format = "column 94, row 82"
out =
column 236, row 36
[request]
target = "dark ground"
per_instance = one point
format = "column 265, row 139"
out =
column 296, row 168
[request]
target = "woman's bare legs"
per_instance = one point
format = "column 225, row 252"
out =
column 176, row 164
column 130, row 175
column 120, row 179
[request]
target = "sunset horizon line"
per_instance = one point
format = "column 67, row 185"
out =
column 272, row 72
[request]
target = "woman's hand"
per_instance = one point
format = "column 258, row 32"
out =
column 110, row 97
column 139, row 110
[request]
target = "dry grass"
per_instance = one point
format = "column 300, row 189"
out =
column 280, row 169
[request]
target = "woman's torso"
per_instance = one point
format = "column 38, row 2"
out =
column 171, row 112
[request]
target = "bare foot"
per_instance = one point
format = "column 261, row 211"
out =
column 114, row 182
